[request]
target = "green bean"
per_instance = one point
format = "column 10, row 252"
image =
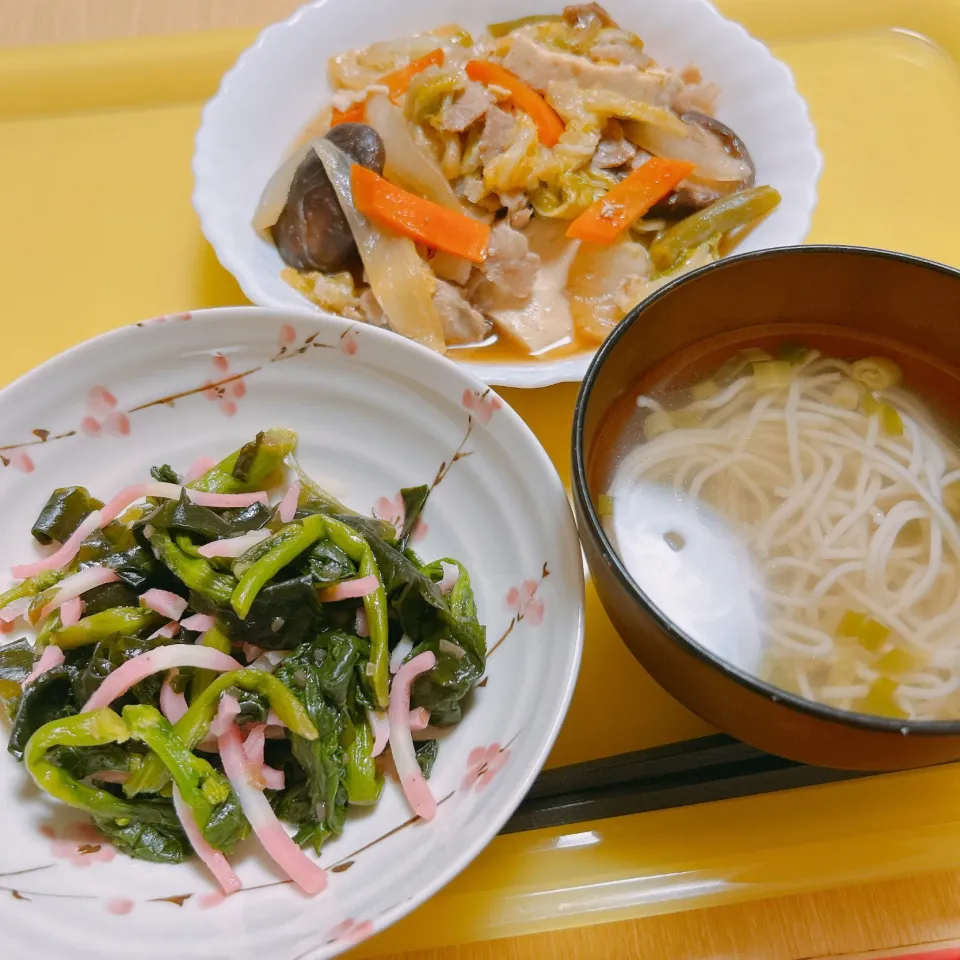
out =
column 720, row 217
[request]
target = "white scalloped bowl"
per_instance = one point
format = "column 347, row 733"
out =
column 280, row 83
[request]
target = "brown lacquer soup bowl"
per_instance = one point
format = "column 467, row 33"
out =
column 774, row 308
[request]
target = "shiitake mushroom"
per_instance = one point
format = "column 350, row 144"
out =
column 312, row 232
column 691, row 196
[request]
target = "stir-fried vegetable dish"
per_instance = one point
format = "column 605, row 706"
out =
column 528, row 186
column 208, row 664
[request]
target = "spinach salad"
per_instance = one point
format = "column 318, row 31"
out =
column 134, row 703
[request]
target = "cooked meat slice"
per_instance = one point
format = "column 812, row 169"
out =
column 613, row 153
column 461, row 322
column 542, row 318
column 518, row 207
column 469, row 107
column 697, row 97
column 510, row 264
column 539, row 67
column 497, row 133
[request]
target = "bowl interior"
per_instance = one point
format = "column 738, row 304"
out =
column 373, row 414
column 280, row 84
column 845, row 296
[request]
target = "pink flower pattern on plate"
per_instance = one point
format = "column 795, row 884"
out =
column 482, row 764
column 482, row 405
column 525, row 603
column 19, row 459
column 394, row 512
column 348, row 342
column 119, row 905
column 103, row 416
column 226, row 395
column 351, row 931
column 80, row 843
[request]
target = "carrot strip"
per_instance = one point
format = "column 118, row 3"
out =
column 630, row 199
column 549, row 125
column 398, row 81
column 353, row 114
column 421, row 220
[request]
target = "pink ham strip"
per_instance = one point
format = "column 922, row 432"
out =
column 380, row 726
column 288, row 505
column 14, row 609
column 71, row 611
column 63, row 556
column 350, row 589
column 51, row 657
column 419, row 719
column 173, row 705
column 233, row 546
column 164, row 602
column 168, row 630
column 77, row 584
column 215, row 861
column 173, row 491
column 199, row 622
column 309, row 876
column 363, row 625
column 251, row 651
column 253, row 750
column 198, row 468
column 115, row 506
column 163, row 658
column 202, row 499
column 404, row 755
column 111, row 776
column 227, row 711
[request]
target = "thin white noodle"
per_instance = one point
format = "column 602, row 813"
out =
column 838, row 516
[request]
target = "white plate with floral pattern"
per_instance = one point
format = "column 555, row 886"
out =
column 374, row 413
column 280, row 84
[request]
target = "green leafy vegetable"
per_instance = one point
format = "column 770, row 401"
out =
column 117, row 621
column 249, row 467
column 16, row 662
column 63, row 512
column 195, row 573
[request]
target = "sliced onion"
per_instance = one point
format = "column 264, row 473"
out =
column 164, row 602
column 451, row 574
column 697, row 145
column 309, row 876
column 198, row 622
column 400, row 653
column 275, row 193
column 273, row 721
column 380, row 727
column 414, row 785
column 214, row 860
column 233, row 546
column 63, row 556
column 350, row 589
column 51, row 657
column 269, row 660
column 454, row 649
column 14, row 609
column 251, row 651
column 71, row 611
column 198, row 468
column 77, row 584
column 173, row 705
column 163, row 658
column 288, row 505
column 419, row 719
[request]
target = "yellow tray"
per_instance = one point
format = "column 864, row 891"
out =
column 95, row 182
